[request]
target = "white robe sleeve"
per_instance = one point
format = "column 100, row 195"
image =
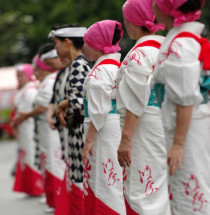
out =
column 135, row 86
column 99, row 98
column 182, row 72
column 45, row 93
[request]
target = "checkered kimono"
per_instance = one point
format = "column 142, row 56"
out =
column 58, row 96
column 37, row 161
column 74, row 93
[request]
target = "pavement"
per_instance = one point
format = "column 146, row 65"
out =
column 12, row 203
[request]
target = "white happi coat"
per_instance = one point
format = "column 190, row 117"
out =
column 180, row 72
column 103, row 174
column 24, row 102
column 146, row 188
column 49, row 139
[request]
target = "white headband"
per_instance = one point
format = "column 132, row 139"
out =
column 19, row 67
column 49, row 55
column 68, row 32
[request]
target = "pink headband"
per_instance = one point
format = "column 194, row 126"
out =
column 27, row 69
column 100, row 35
column 170, row 7
column 41, row 64
column 140, row 13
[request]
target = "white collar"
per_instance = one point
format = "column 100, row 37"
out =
column 193, row 27
column 115, row 56
column 151, row 37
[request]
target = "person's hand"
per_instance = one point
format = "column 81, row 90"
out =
column 61, row 117
column 61, row 107
column 14, row 131
column 58, row 110
column 51, row 123
column 175, row 156
column 12, row 124
column 124, row 152
column 87, row 150
column 20, row 118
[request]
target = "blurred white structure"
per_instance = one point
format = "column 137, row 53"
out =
column 8, row 86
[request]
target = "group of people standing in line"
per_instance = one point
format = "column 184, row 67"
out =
column 130, row 137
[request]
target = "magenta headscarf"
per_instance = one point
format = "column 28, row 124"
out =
column 41, row 64
column 99, row 36
column 170, row 7
column 140, row 13
column 27, row 69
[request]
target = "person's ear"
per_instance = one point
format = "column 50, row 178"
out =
column 68, row 42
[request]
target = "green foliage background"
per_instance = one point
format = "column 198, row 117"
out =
column 25, row 24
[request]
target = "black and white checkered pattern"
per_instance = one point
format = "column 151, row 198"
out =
column 57, row 98
column 37, row 161
column 74, row 93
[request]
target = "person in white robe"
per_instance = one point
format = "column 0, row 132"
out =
column 51, row 156
column 62, row 206
column 142, row 151
column 103, row 181
column 28, row 178
column 185, row 110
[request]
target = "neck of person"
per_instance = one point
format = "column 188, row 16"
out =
column 45, row 74
column 98, row 55
column 169, row 22
column 143, row 34
column 74, row 53
column 23, row 84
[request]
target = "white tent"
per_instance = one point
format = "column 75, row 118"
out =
column 8, row 86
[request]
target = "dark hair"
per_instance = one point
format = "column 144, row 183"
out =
column 191, row 6
column 78, row 42
column 145, row 29
column 117, row 35
column 46, row 48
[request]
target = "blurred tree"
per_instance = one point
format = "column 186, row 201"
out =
column 25, row 24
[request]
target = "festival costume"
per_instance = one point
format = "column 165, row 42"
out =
column 74, row 94
column 145, row 180
column 28, row 178
column 179, row 69
column 103, row 182
column 58, row 96
column 62, row 206
column 51, row 154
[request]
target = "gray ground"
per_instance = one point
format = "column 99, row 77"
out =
column 14, row 203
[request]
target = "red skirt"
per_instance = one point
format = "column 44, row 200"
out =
column 27, row 179
column 63, row 200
